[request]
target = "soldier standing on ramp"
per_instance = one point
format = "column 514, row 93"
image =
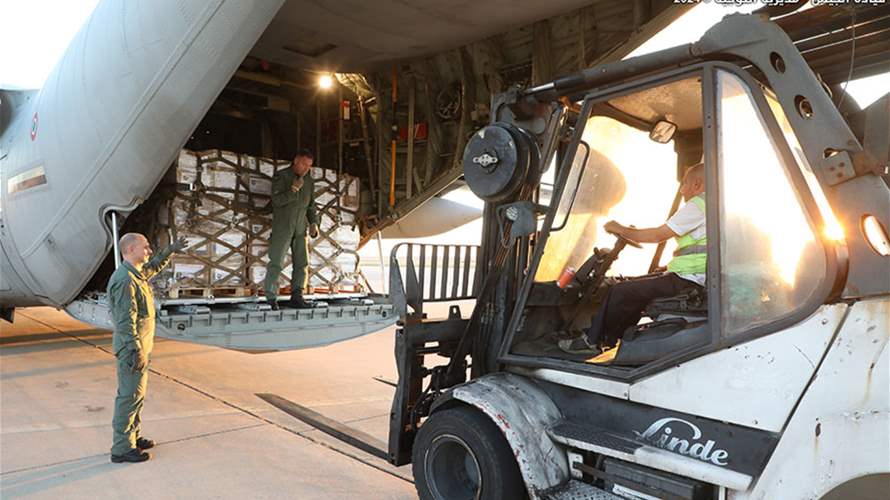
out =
column 133, row 312
column 293, row 216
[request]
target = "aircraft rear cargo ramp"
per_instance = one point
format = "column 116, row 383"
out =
column 252, row 326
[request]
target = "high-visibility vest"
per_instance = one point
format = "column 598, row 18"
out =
column 691, row 255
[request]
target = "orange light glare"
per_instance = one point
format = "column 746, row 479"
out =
column 833, row 229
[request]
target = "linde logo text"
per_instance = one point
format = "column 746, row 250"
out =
column 662, row 436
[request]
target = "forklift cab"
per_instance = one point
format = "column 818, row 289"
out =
column 768, row 257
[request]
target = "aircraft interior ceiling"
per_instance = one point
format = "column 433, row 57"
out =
column 433, row 64
column 353, row 35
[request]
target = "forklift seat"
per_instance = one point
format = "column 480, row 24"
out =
column 691, row 305
column 671, row 316
column 677, row 323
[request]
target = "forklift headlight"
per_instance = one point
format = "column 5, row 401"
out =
column 876, row 235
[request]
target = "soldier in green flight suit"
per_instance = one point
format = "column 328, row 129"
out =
column 293, row 217
column 133, row 312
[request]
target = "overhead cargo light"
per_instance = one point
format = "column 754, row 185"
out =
column 325, row 81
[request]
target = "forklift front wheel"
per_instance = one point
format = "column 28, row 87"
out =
column 460, row 454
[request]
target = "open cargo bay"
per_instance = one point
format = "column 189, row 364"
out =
column 213, row 292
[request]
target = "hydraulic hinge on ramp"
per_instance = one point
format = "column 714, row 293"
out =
column 255, row 328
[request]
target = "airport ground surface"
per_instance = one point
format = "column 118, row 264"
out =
column 216, row 438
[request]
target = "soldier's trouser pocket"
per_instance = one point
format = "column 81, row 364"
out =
column 130, row 360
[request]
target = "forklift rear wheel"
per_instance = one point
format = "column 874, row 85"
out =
column 460, row 454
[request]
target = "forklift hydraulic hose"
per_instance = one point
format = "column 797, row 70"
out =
column 455, row 372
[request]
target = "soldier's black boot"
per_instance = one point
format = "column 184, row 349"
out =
column 144, row 444
column 297, row 302
column 133, row 455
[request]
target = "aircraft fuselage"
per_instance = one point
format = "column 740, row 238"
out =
column 98, row 137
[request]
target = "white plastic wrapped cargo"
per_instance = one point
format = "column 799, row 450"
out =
column 220, row 204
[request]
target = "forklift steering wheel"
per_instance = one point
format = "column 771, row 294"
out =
column 625, row 240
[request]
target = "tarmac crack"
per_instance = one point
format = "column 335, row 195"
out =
column 362, row 419
column 234, row 406
column 215, row 433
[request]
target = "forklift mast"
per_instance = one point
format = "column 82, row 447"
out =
column 540, row 126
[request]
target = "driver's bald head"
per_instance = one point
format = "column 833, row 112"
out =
column 693, row 181
column 695, row 172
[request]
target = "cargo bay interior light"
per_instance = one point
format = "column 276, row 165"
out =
column 325, row 81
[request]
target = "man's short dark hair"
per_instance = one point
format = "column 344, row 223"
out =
column 304, row 152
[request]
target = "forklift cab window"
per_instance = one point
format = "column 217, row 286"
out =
column 618, row 173
column 771, row 251
column 625, row 176
column 771, row 259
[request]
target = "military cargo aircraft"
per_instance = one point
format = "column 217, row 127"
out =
column 771, row 383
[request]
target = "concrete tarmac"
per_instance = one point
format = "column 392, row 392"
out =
column 216, row 438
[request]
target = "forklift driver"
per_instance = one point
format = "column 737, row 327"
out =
column 625, row 301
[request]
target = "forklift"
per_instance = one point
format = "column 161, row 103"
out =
column 770, row 383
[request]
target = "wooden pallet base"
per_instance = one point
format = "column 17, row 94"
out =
column 328, row 290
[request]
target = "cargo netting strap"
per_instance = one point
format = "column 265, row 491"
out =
column 220, row 203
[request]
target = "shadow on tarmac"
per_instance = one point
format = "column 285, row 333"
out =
column 51, row 476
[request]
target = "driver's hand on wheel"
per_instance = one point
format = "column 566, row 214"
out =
column 613, row 227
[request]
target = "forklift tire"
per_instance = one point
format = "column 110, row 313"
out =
column 460, row 454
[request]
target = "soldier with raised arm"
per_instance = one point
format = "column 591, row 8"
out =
column 132, row 308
